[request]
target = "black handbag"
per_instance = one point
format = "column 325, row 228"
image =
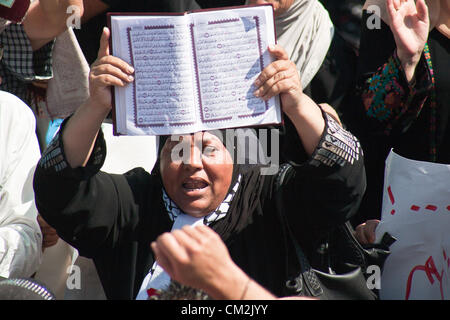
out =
column 342, row 250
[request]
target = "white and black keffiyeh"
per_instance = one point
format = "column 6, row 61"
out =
column 221, row 211
column 157, row 278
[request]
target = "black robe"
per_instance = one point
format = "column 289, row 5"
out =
column 113, row 218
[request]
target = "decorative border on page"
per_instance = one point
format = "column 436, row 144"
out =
column 224, row 21
column 197, row 78
column 134, row 83
column 261, row 62
column 258, row 33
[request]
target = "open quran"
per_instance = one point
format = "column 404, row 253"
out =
column 194, row 71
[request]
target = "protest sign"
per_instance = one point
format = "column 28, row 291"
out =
column 416, row 211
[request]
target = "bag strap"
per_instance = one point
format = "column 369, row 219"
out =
column 309, row 276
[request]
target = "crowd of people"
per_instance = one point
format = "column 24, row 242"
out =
column 207, row 225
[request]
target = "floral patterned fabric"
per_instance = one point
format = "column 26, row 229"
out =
column 388, row 98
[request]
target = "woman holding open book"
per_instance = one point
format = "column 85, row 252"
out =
column 114, row 218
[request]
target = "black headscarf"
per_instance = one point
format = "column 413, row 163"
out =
column 246, row 198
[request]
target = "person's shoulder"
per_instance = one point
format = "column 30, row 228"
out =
column 140, row 179
column 139, row 174
column 15, row 109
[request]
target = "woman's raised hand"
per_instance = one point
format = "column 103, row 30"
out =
column 105, row 72
column 410, row 24
column 82, row 128
column 280, row 77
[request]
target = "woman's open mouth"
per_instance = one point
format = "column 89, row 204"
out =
column 194, row 184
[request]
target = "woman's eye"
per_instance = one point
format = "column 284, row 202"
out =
column 208, row 150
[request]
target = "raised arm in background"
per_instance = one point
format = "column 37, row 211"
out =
column 46, row 19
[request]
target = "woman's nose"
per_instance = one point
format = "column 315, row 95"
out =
column 195, row 157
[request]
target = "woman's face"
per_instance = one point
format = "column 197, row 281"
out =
column 279, row 6
column 196, row 171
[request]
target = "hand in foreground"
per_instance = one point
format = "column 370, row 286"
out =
column 105, row 72
column 365, row 232
column 410, row 23
column 197, row 257
column 49, row 235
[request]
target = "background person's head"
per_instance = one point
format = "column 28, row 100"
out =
column 196, row 171
column 279, row 6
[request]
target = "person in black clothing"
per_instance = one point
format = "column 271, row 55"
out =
column 114, row 218
column 205, row 4
column 402, row 100
column 94, row 18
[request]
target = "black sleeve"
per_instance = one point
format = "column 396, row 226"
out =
column 90, row 209
column 327, row 189
column 111, row 3
column 372, row 55
column 152, row 6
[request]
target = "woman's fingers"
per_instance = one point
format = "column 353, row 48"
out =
column 391, row 9
column 169, row 244
column 279, row 87
column 365, row 232
column 277, row 71
column 103, row 51
column 184, row 240
column 109, row 69
column 422, row 11
column 360, row 234
column 278, row 52
column 113, row 66
column 206, row 232
column 116, row 62
column 279, row 77
column 169, row 253
column 195, row 233
column 371, row 226
column 105, row 80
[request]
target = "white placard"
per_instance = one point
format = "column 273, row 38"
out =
column 416, row 211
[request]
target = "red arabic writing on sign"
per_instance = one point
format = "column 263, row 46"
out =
column 431, row 272
column 427, row 208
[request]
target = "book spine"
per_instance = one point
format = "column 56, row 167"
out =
column 197, row 80
column 113, row 96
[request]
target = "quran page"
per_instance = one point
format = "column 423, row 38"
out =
column 230, row 51
column 161, row 99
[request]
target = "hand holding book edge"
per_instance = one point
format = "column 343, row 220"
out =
column 107, row 71
column 281, row 78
